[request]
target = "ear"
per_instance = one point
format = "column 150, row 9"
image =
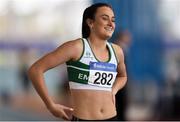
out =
column 89, row 22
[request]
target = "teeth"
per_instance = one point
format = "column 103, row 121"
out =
column 108, row 28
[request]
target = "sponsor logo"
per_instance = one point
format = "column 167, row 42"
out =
column 102, row 66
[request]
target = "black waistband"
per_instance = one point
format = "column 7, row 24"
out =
column 78, row 119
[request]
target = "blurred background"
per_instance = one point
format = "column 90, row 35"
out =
column 147, row 30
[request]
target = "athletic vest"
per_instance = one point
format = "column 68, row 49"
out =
column 90, row 73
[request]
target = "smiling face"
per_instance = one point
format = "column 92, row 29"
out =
column 103, row 24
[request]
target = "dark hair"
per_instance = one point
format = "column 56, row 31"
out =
column 90, row 13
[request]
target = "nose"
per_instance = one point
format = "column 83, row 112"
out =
column 111, row 23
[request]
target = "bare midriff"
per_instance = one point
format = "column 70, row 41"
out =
column 93, row 104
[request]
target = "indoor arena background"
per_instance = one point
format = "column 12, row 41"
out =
column 31, row 28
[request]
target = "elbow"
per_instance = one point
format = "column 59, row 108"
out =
column 31, row 71
column 124, row 81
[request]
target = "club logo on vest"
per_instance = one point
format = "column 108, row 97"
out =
column 88, row 55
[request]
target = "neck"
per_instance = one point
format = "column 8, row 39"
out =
column 97, row 43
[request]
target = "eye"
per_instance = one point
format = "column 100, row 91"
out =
column 105, row 18
column 113, row 20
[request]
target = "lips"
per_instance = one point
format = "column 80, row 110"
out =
column 110, row 29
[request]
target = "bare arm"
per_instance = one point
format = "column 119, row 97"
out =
column 62, row 54
column 121, row 78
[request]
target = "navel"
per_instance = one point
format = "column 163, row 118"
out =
column 102, row 110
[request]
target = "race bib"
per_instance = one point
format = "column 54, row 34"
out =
column 102, row 74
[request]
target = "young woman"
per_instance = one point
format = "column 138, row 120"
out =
column 96, row 69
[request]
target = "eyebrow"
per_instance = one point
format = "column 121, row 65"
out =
column 107, row 16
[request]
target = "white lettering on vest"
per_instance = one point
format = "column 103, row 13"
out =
column 82, row 76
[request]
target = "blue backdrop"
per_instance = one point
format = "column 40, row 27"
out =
column 141, row 18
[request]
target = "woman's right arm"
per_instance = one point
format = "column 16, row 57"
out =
column 62, row 54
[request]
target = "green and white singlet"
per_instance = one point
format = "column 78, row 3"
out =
column 90, row 73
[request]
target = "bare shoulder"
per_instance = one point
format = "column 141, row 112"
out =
column 72, row 43
column 73, row 48
column 78, row 44
column 118, row 51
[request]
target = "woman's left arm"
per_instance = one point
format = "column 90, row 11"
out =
column 121, row 77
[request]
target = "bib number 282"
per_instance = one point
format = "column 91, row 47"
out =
column 103, row 78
